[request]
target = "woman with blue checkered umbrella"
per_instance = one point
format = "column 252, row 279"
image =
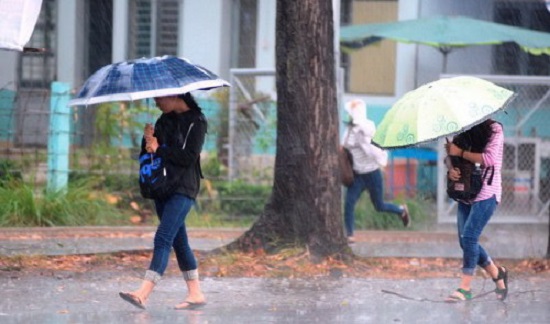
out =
column 177, row 140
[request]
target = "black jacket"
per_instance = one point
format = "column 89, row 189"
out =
column 170, row 131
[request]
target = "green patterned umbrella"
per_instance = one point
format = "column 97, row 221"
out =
column 440, row 108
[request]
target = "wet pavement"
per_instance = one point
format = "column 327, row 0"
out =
column 92, row 297
column 513, row 241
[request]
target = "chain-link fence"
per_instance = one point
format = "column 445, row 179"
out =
column 239, row 152
column 24, row 120
column 104, row 138
column 526, row 165
column 252, row 125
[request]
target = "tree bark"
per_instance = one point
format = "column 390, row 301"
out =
column 548, row 245
column 305, row 206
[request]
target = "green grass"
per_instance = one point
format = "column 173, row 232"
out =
column 22, row 204
column 85, row 204
column 366, row 217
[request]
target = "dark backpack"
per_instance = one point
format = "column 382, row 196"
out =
column 471, row 179
column 157, row 178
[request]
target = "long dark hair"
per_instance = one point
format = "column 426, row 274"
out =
column 190, row 101
column 476, row 138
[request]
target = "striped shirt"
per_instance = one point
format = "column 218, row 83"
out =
column 493, row 156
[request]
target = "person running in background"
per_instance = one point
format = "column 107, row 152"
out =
column 367, row 162
column 483, row 144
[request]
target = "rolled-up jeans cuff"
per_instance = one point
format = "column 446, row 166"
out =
column 152, row 276
column 191, row 275
column 468, row 271
column 487, row 263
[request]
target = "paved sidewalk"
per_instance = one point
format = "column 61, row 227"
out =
column 502, row 241
column 92, row 296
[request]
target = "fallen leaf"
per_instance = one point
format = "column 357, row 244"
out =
column 111, row 199
column 135, row 219
column 134, row 206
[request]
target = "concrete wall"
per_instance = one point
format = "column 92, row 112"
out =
column 8, row 66
column 204, row 35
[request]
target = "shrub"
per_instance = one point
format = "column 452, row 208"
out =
column 366, row 217
column 22, row 204
column 240, row 198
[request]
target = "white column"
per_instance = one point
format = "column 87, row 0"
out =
column 265, row 43
column 407, row 54
column 154, row 31
column 204, row 33
column 70, row 42
column 120, row 30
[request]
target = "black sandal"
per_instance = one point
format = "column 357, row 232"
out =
column 502, row 275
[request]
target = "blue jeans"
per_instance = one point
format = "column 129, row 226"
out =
column 171, row 232
column 371, row 181
column 471, row 219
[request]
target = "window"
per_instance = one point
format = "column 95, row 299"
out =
column 37, row 70
column 370, row 69
column 167, row 28
column 153, row 28
column 509, row 58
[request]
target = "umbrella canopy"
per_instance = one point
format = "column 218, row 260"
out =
column 444, row 33
column 145, row 78
column 440, row 108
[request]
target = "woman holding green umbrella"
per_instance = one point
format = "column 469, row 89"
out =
column 449, row 106
column 483, row 144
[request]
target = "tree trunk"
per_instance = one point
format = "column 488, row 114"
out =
column 305, row 206
column 548, row 245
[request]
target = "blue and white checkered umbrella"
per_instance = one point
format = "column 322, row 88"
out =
column 145, row 78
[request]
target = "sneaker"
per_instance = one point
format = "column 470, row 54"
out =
column 405, row 217
column 351, row 240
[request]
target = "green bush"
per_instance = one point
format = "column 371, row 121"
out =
column 121, row 183
column 212, row 168
column 8, row 171
column 366, row 217
column 239, row 198
column 22, row 204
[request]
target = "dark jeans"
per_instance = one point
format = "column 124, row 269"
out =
column 171, row 232
column 471, row 220
column 371, row 181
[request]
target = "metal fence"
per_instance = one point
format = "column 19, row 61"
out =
column 252, row 125
column 104, row 139
column 241, row 143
